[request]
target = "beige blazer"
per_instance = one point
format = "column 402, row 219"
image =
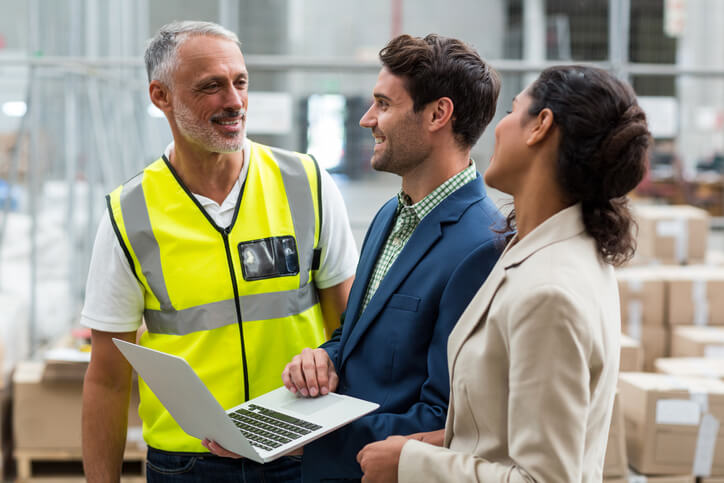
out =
column 533, row 366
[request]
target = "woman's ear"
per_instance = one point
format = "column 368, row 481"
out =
column 542, row 127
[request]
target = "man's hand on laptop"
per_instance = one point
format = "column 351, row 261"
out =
column 310, row 373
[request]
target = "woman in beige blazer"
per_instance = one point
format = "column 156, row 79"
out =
column 533, row 360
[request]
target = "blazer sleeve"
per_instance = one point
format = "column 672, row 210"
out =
column 548, row 379
column 428, row 413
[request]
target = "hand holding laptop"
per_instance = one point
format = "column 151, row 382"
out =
column 311, row 373
column 218, row 450
column 262, row 429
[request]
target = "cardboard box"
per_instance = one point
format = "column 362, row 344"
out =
column 672, row 234
column 632, row 355
column 691, row 366
column 5, row 433
column 615, row 462
column 637, row 478
column 655, row 344
column 689, row 341
column 715, row 258
column 642, row 295
column 663, row 417
column 634, row 477
column 695, row 295
column 47, row 411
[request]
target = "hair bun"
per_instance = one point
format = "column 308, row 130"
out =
column 631, row 125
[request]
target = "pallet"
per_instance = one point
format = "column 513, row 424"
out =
column 65, row 465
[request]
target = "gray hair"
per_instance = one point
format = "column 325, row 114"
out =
column 161, row 50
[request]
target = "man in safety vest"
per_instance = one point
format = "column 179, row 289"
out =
column 237, row 256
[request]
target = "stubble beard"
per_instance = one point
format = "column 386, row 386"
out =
column 203, row 134
column 409, row 153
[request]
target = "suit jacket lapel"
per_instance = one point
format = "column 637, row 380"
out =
column 427, row 233
column 371, row 252
column 474, row 314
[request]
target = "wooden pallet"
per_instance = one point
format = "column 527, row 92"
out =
column 26, row 460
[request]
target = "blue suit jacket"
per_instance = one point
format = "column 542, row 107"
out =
column 394, row 352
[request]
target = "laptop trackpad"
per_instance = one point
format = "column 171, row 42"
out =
column 310, row 406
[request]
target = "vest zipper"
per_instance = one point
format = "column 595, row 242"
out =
column 225, row 235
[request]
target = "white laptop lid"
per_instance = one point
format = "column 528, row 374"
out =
column 199, row 414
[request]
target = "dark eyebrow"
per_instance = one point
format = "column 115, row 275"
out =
column 381, row 96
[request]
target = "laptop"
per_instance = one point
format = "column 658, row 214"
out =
column 262, row 429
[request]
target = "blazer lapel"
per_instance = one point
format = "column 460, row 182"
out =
column 371, row 251
column 474, row 314
column 425, row 235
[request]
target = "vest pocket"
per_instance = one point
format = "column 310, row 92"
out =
column 269, row 257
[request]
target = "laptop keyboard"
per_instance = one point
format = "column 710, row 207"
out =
column 268, row 429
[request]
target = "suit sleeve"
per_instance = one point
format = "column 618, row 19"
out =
column 548, row 380
column 430, row 410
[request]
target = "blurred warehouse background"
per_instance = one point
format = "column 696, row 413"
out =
column 76, row 121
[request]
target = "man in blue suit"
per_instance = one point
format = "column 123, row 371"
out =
column 424, row 257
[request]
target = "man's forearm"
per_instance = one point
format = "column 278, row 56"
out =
column 105, row 420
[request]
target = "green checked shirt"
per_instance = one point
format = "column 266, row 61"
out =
column 408, row 217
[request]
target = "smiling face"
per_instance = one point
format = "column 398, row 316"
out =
column 210, row 96
column 400, row 140
column 510, row 160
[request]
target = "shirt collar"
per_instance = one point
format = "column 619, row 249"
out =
column 423, row 207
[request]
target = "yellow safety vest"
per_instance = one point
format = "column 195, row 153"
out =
column 199, row 290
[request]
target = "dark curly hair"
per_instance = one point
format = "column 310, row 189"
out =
column 603, row 152
column 437, row 66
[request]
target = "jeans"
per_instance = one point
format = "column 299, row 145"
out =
column 166, row 467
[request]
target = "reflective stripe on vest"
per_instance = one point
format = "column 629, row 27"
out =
column 253, row 307
column 261, row 306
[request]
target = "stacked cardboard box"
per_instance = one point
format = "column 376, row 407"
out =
column 691, row 366
column 632, row 355
column 671, row 234
column 670, row 424
column 689, row 341
column 634, row 477
column 695, row 295
column 642, row 293
column 47, row 402
column 5, row 433
column 615, row 463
